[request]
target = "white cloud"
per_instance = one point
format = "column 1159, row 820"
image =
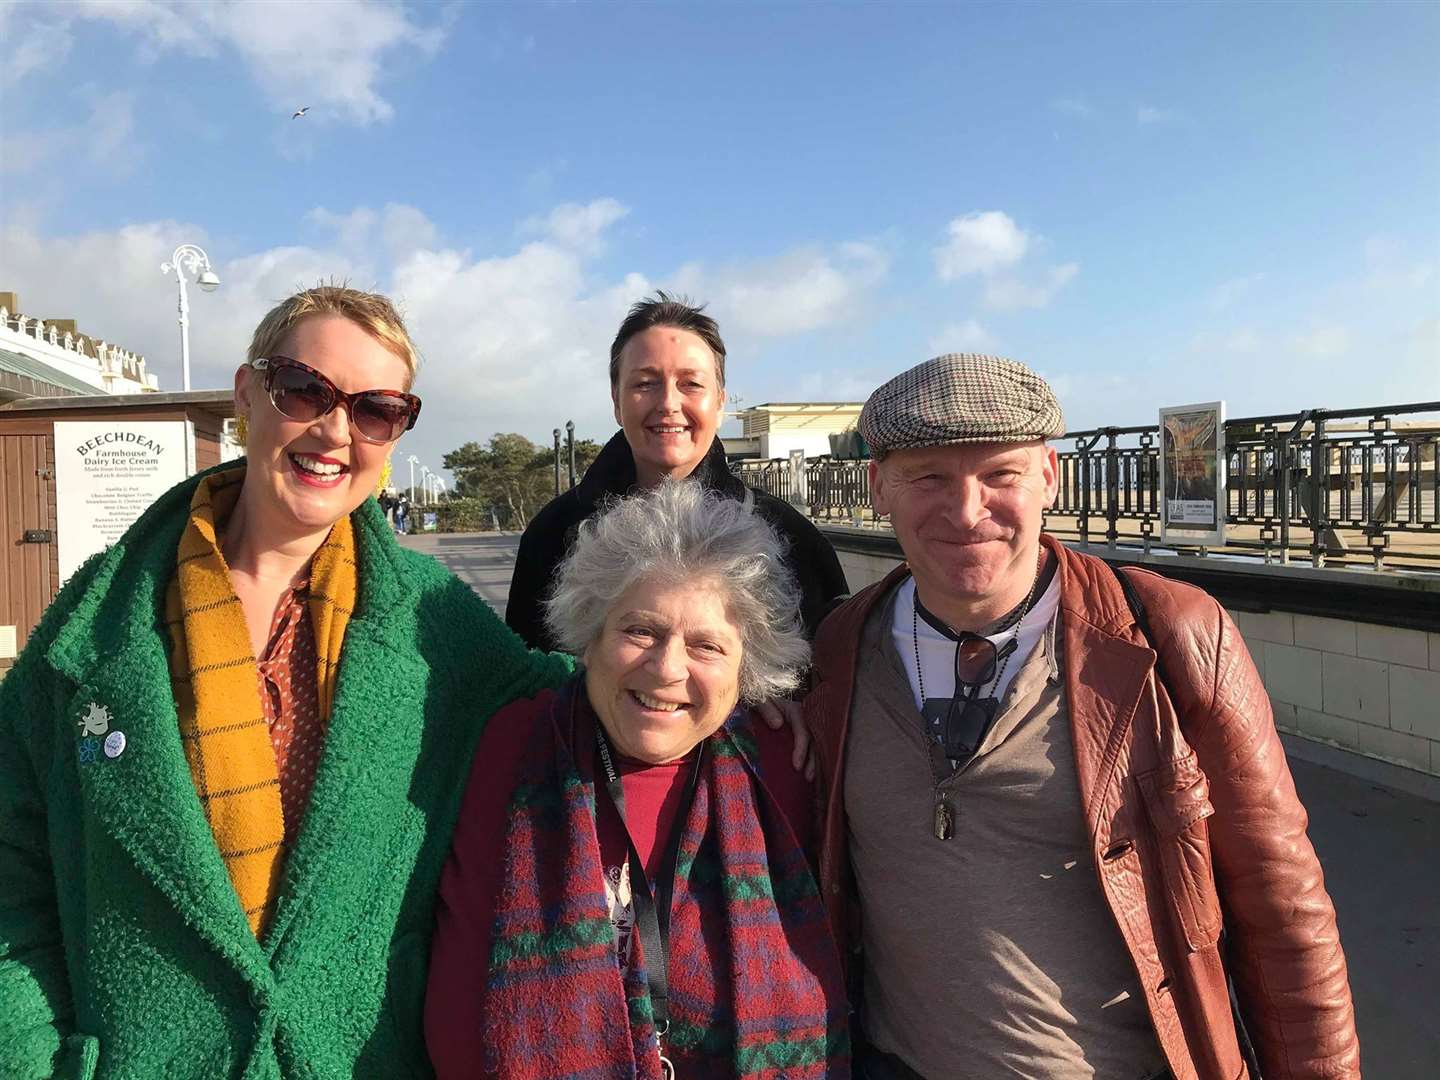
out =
column 39, row 43
column 1424, row 341
column 991, row 245
column 1228, row 292
column 1242, row 341
column 102, row 138
column 798, row 291
column 1014, row 294
column 396, row 231
column 577, row 226
column 1322, row 342
column 329, row 56
column 1073, row 106
column 967, row 336
column 838, row 384
column 1148, row 115
column 111, row 283
column 980, row 243
column 1390, row 267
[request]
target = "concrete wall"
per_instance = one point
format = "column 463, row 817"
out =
column 1373, row 690
column 1367, row 689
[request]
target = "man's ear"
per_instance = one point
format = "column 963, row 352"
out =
column 1050, row 471
column 879, row 498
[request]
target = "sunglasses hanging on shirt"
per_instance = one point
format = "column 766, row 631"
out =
column 960, row 722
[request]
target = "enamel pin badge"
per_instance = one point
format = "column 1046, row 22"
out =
column 96, row 720
column 97, row 737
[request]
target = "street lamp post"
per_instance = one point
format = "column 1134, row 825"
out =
column 191, row 258
column 570, row 440
column 425, row 483
column 413, row 462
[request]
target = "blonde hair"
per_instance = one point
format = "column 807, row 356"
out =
column 372, row 312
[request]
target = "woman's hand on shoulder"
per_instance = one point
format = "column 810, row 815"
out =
column 783, row 712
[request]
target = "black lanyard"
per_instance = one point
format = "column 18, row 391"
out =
column 652, row 909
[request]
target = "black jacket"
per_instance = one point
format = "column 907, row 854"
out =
column 547, row 539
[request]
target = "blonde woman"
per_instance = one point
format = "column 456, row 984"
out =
column 232, row 753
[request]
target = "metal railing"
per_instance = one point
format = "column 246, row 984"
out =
column 1340, row 486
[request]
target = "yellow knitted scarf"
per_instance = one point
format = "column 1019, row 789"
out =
column 217, row 692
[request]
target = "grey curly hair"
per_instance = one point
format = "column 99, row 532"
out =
column 681, row 533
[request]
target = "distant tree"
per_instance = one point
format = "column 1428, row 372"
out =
column 512, row 474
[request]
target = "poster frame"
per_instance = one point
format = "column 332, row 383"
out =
column 1189, row 534
column 78, row 534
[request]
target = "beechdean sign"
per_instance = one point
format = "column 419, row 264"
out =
column 107, row 473
column 120, row 442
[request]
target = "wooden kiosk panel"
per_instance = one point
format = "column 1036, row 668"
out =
column 29, row 514
column 29, row 572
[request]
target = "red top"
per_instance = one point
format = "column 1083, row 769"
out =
column 465, row 910
column 291, row 700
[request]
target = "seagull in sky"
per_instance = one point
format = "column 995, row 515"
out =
column 299, row 113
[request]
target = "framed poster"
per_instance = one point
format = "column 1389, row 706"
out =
column 107, row 473
column 1192, row 474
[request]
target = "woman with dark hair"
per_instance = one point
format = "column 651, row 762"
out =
column 629, row 891
column 667, row 383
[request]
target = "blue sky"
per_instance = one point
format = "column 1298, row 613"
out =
column 1152, row 204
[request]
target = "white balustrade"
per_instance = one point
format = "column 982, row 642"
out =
column 108, row 368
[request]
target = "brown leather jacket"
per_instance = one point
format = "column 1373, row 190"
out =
column 1190, row 815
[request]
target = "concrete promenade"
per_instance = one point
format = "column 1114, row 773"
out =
column 1380, row 849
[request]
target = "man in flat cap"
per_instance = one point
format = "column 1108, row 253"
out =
column 1059, row 825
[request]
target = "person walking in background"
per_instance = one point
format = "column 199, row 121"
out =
column 232, row 752
column 667, row 385
column 629, row 892
column 402, row 512
column 1059, row 823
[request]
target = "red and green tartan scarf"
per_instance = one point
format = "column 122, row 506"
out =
column 756, row 988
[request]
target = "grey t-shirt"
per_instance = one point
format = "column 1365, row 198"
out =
column 992, row 953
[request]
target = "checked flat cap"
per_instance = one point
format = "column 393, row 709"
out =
column 960, row 398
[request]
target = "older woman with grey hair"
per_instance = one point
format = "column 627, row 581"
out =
column 628, row 891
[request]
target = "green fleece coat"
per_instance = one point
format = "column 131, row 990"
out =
column 123, row 949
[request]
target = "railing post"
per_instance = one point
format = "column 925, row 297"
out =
column 1319, row 491
column 1112, row 490
column 1284, row 494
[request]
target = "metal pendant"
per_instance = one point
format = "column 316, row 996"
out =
column 667, row 1068
column 944, row 820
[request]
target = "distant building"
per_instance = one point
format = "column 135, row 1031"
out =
column 776, row 428
column 51, row 357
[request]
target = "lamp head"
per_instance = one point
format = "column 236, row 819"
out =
column 209, row 281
